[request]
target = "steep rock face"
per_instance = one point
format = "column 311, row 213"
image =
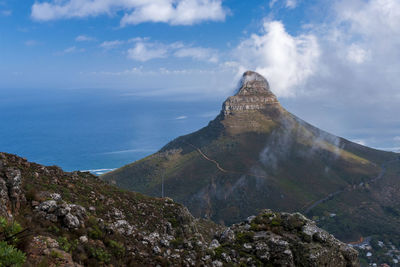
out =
column 75, row 219
column 253, row 94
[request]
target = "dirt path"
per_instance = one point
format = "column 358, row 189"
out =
column 219, row 167
column 332, row 195
column 207, row 158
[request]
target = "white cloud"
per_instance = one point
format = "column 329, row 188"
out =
column 181, row 117
column 287, row 61
column 354, row 53
column 272, row 3
column 6, row 13
column 357, row 54
column 84, row 38
column 146, row 51
column 288, row 3
column 71, row 50
column 360, row 142
column 143, row 50
column 174, row 12
column 198, row 53
column 31, row 43
column 111, row 44
column 291, row 3
column 371, row 18
column 366, row 36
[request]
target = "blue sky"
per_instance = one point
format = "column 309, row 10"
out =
column 37, row 52
column 327, row 61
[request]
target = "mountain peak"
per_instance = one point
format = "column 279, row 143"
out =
column 253, row 83
column 254, row 94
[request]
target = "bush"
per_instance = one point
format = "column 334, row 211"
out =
column 94, row 231
column 9, row 229
column 244, row 237
column 117, row 249
column 67, row 245
column 100, row 254
column 10, row 256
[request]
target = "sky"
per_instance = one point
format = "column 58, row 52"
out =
column 333, row 63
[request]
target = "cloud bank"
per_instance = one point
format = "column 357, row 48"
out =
column 144, row 50
column 173, row 12
column 287, row 61
column 349, row 54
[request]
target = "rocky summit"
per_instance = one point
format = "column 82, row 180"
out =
column 253, row 94
column 256, row 155
column 52, row 218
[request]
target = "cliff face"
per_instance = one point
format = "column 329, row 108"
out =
column 254, row 94
column 74, row 219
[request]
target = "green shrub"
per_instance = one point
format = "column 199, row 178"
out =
column 8, row 230
column 67, row 245
column 10, row 256
column 275, row 222
column 174, row 222
column 117, row 249
column 178, row 242
column 94, row 230
column 100, row 254
column 56, row 254
column 245, row 237
column 54, row 229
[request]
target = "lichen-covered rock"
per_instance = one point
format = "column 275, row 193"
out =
column 284, row 239
column 11, row 195
column 122, row 227
column 70, row 215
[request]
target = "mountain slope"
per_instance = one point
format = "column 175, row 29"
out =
column 255, row 155
column 74, row 219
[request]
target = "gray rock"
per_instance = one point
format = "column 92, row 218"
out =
column 217, row 263
column 55, row 196
column 156, row 250
column 83, row 239
column 48, row 206
column 214, row 244
column 122, row 227
column 164, row 242
column 228, row 236
column 71, row 221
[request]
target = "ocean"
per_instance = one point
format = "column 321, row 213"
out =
column 94, row 130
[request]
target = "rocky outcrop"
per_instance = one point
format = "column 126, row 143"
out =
column 71, row 216
column 253, row 94
column 11, row 196
column 283, row 239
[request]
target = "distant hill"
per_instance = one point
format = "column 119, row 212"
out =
column 257, row 155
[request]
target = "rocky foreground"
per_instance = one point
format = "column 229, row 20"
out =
column 75, row 219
